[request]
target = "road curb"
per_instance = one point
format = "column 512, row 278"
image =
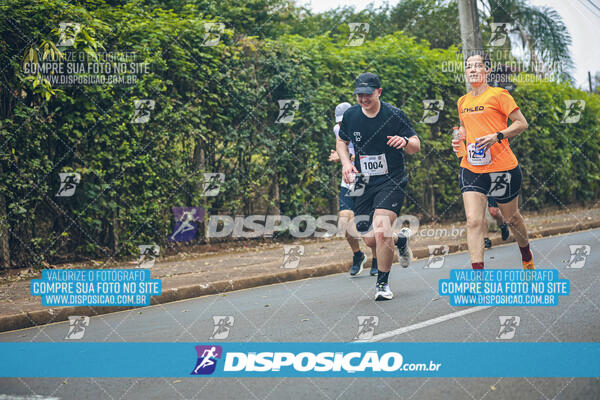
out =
column 43, row 317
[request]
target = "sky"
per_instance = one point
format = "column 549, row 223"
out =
column 581, row 21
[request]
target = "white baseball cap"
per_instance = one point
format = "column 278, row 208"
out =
column 340, row 109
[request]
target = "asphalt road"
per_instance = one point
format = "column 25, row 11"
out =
column 327, row 309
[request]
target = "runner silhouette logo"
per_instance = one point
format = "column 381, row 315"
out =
column 499, row 33
column 366, row 326
column 186, row 223
column 508, row 326
column 292, row 255
column 431, row 115
column 358, row 186
column 207, row 359
column 437, row 254
column 68, row 32
column 579, row 254
column 77, row 326
column 573, row 112
column 148, row 254
column 212, row 183
column 142, row 110
column 287, row 110
column 222, row 326
column 68, row 183
column 212, row 33
column 358, row 33
column 500, row 184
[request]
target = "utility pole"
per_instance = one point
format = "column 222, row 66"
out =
column 4, row 233
column 470, row 31
column 590, row 81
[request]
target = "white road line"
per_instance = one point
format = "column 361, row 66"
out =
column 423, row 324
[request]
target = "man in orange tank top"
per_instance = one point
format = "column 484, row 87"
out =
column 489, row 168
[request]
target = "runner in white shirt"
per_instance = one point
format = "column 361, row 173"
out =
column 346, row 202
column 381, row 134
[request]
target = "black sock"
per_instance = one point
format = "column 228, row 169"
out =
column 382, row 277
column 358, row 253
column 374, row 263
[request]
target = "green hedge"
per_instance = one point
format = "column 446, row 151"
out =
column 215, row 112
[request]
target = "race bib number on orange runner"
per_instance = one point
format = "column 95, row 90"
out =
column 478, row 157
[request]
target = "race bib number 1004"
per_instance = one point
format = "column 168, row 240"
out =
column 374, row 165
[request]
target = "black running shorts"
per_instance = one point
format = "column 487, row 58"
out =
column 388, row 195
column 502, row 186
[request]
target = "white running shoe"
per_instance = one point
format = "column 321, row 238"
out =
column 383, row 292
column 404, row 252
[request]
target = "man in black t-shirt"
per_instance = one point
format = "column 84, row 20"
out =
column 381, row 134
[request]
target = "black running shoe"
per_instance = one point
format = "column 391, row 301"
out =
column 505, row 231
column 487, row 243
column 374, row 268
column 358, row 262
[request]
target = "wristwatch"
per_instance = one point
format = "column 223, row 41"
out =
column 405, row 138
column 499, row 136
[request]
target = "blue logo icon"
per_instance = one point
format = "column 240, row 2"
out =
column 207, row 359
column 186, row 223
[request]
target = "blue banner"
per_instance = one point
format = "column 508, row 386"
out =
column 95, row 287
column 300, row 360
column 504, row 287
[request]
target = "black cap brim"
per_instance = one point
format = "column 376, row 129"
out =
column 364, row 90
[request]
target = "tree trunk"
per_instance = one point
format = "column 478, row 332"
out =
column 432, row 203
column 4, row 235
column 199, row 163
column 470, row 31
column 274, row 206
column 333, row 202
column 115, row 231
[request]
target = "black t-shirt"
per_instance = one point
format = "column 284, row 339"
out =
column 369, row 137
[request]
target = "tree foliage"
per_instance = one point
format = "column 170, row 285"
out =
column 542, row 34
column 215, row 111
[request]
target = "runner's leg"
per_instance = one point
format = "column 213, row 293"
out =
column 475, row 204
column 497, row 215
column 517, row 224
column 515, row 220
column 359, row 259
column 369, row 239
column 487, row 243
column 383, row 220
column 346, row 224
